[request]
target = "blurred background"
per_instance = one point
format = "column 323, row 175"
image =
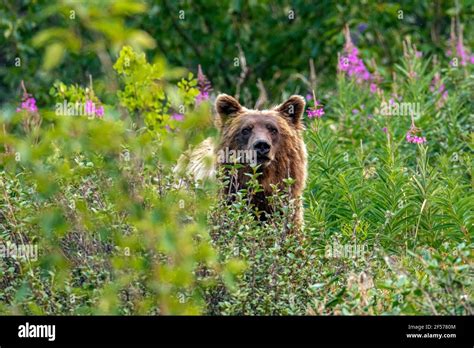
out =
column 237, row 43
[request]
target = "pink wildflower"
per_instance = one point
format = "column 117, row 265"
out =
column 177, row 117
column 350, row 62
column 92, row 110
column 100, row 112
column 439, row 89
column 373, row 88
column 456, row 43
column 412, row 136
column 204, row 86
column 28, row 104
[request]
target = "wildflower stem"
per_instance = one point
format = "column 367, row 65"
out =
column 90, row 83
column 23, row 87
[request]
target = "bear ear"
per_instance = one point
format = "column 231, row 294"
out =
column 292, row 109
column 227, row 107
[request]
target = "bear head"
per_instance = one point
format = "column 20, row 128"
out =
column 266, row 133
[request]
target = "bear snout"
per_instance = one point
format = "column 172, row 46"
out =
column 262, row 147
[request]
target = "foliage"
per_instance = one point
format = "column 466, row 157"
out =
column 95, row 198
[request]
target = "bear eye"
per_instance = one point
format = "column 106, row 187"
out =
column 273, row 130
column 246, row 131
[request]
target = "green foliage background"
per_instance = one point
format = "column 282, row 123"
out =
column 119, row 233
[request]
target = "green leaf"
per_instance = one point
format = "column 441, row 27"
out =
column 53, row 56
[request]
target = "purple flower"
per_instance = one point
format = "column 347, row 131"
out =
column 461, row 52
column 202, row 96
column 177, row 117
column 204, row 86
column 362, row 27
column 309, row 96
column 90, row 107
column 373, row 88
column 29, row 104
column 412, row 136
column 384, row 129
column 439, row 89
column 315, row 112
column 418, row 54
column 92, row 110
column 456, row 43
column 350, row 63
column 100, row 112
column 355, row 111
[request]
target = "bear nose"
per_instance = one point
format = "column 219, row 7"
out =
column 262, row 147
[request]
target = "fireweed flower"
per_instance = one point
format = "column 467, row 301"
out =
column 439, row 89
column 202, row 96
column 100, row 112
column 456, row 44
column 350, row 63
column 412, row 136
column 312, row 112
column 177, row 117
column 204, row 86
column 28, row 104
column 373, row 88
column 31, row 117
column 91, row 110
column 315, row 111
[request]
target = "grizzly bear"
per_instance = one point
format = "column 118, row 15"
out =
column 273, row 141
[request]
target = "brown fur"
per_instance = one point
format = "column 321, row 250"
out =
column 280, row 129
